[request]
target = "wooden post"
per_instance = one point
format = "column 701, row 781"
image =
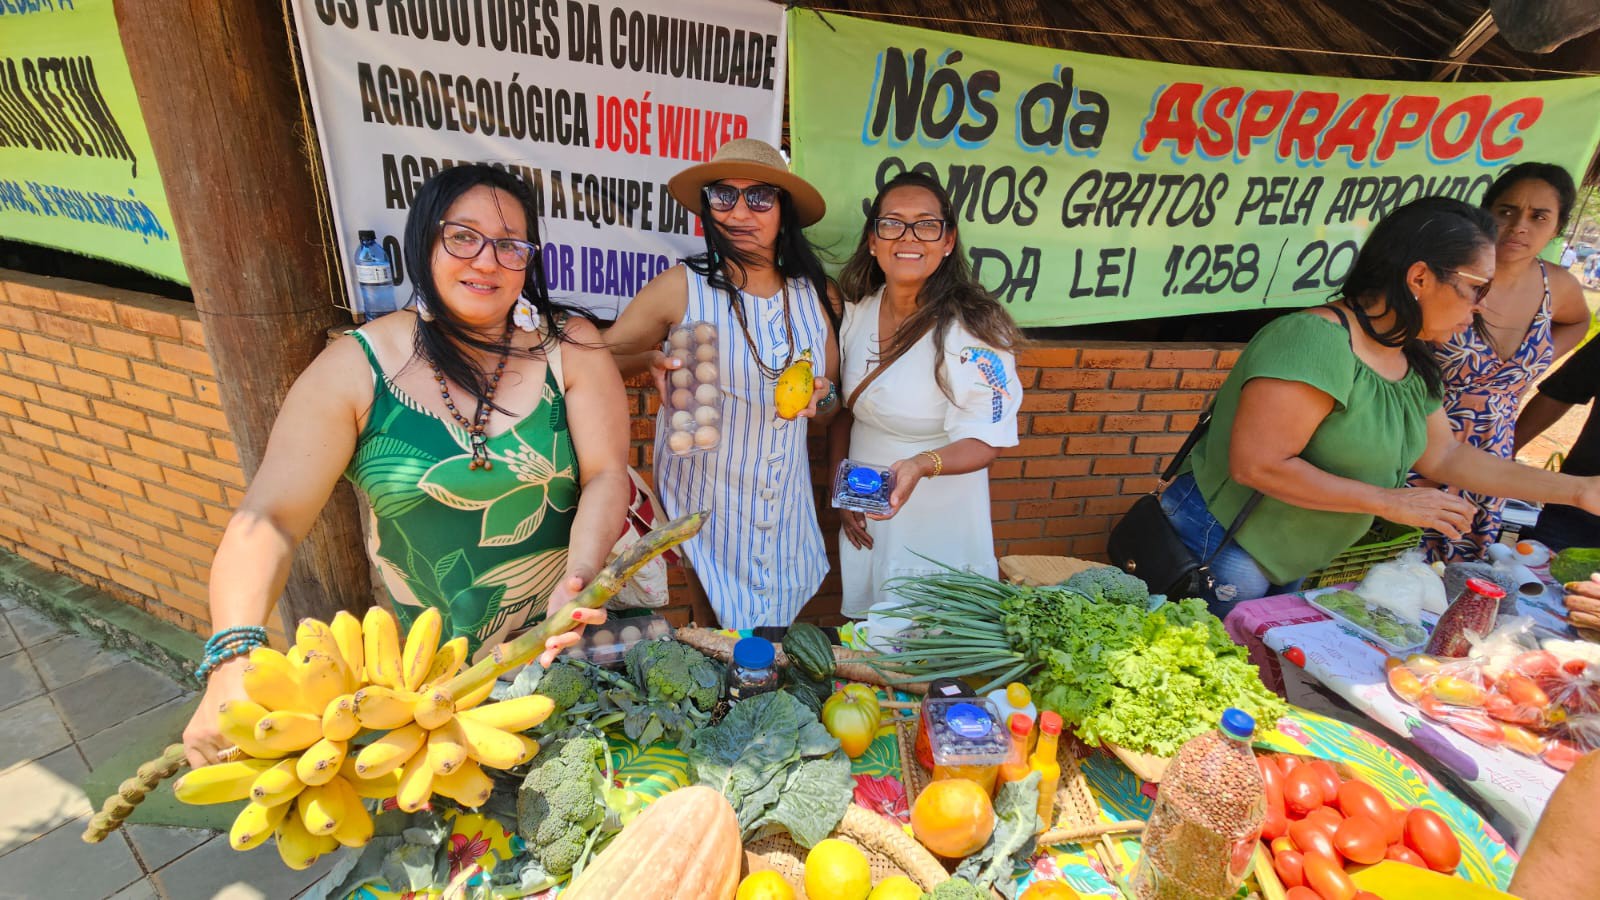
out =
column 219, row 97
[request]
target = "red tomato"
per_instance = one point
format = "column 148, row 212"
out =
column 1431, row 839
column 1302, row 791
column 1275, row 823
column 1574, row 666
column 1296, row 656
column 1290, row 867
column 1357, row 798
column 1360, row 840
column 1394, row 827
column 1288, row 762
column 1523, row 691
column 1329, row 778
column 1326, row 817
column 1282, row 845
column 1536, row 662
column 1311, row 839
column 1402, row 853
column 1328, row 879
column 1301, row 893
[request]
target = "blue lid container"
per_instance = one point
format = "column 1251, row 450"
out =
column 753, row 653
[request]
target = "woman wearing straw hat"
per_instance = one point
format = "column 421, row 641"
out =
column 761, row 287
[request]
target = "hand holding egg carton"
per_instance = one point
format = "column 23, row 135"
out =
column 693, row 398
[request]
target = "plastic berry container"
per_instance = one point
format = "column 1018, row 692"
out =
column 862, row 487
column 693, row 404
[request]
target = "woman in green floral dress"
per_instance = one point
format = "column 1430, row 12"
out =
column 486, row 428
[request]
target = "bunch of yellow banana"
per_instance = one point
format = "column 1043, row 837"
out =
column 301, row 768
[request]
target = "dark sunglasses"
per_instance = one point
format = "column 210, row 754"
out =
column 757, row 197
column 1480, row 284
column 466, row 242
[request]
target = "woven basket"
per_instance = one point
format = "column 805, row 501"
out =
column 1037, row 571
column 779, row 853
column 1384, row 542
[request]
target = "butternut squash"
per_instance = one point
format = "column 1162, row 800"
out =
column 684, row 846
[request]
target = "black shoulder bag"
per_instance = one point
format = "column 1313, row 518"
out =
column 1145, row 544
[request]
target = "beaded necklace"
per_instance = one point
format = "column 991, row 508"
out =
column 750, row 341
column 476, row 440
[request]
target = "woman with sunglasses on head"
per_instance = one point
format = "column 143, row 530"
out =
column 1328, row 409
column 486, row 427
column 1533, row 314
column 931, row 389
column 760, row 556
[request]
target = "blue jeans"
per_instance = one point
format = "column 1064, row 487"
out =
column 1238, row 576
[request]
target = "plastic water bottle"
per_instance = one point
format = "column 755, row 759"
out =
column 1202, row 831
column 374, row 276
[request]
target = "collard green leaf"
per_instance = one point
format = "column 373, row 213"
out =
column 1016, row 825
column 813, row 800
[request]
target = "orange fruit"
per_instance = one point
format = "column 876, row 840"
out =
column 1049, row 890
column 953, row 817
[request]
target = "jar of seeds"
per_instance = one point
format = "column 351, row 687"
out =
column 1207, row 817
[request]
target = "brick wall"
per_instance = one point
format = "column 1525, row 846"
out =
column 119, row 469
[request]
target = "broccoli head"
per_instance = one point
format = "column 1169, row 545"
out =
column 561, row 802
column 566, row 685
column 668, row 670
column 955, row 889
column 1112, row 585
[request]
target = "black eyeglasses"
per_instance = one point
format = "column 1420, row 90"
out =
column 1480, row 284
column 922, row 229
column 758, row 197
column 466, row 242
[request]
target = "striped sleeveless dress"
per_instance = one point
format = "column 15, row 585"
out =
column 760, row 555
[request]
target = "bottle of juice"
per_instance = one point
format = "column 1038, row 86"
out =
column 1207, row 816
column 1016, row 767
column 1044, row 762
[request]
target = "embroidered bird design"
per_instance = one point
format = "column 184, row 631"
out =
column 993, row 372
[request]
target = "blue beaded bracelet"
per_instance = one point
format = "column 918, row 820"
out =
column 217, row 657
column 233, row 634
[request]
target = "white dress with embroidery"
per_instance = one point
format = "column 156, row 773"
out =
column 903, row 412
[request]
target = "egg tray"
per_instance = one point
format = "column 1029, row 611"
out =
column 692, row 407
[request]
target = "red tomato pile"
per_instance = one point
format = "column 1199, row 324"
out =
column 1318, row 823
column 1528, row 708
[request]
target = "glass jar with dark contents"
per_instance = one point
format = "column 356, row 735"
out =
column 754, row 670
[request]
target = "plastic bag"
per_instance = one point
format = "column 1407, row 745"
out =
column 1510, row 639
column 1406, row 586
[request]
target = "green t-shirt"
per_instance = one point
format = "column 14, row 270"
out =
column 1376, row 430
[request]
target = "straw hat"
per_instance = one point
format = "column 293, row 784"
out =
column 753, row 159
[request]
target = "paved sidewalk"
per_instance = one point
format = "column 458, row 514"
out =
column 68, row 706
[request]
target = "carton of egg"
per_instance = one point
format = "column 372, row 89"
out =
column 694, row 390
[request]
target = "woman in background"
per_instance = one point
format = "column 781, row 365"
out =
column 1532, row 315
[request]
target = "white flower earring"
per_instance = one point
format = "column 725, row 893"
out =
column 421, row 308
column 524, row 316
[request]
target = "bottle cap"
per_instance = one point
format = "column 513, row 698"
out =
column 863, row 480
column 1021, row 725
column 1017, row 694
column 366, row 234
column 1049, row 723
column 753, row 653
column 1236, row 723
column 1486, row 587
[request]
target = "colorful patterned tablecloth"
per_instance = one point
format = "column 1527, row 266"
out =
column 655, row 770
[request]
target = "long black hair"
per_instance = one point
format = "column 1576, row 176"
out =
column 1549, row 173
column 794, row 257
column 1441, row 232
column 950, row 295
column 444, row 341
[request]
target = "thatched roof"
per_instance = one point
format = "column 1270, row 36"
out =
column 1407, row 40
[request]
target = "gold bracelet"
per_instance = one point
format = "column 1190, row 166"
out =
column 938, row 464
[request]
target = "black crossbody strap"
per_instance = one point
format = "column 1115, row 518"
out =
column 1238, row 522
column 1195, row 434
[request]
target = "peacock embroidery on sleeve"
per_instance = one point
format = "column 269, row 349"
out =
column 993, row 372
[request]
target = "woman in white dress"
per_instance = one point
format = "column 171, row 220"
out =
column 931, row 384
column 760, row 556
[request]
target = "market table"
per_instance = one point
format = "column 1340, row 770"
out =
column 1514, row 786
column 1485, row 858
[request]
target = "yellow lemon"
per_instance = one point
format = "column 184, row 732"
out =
column 768, row 885
column 836, row 870
column 896, row 887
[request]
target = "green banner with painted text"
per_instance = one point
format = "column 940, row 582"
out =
column 76, row 169
column 1096, row 189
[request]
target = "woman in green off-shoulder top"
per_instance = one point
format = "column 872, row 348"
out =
column 1328, row 409
column 486, row 428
